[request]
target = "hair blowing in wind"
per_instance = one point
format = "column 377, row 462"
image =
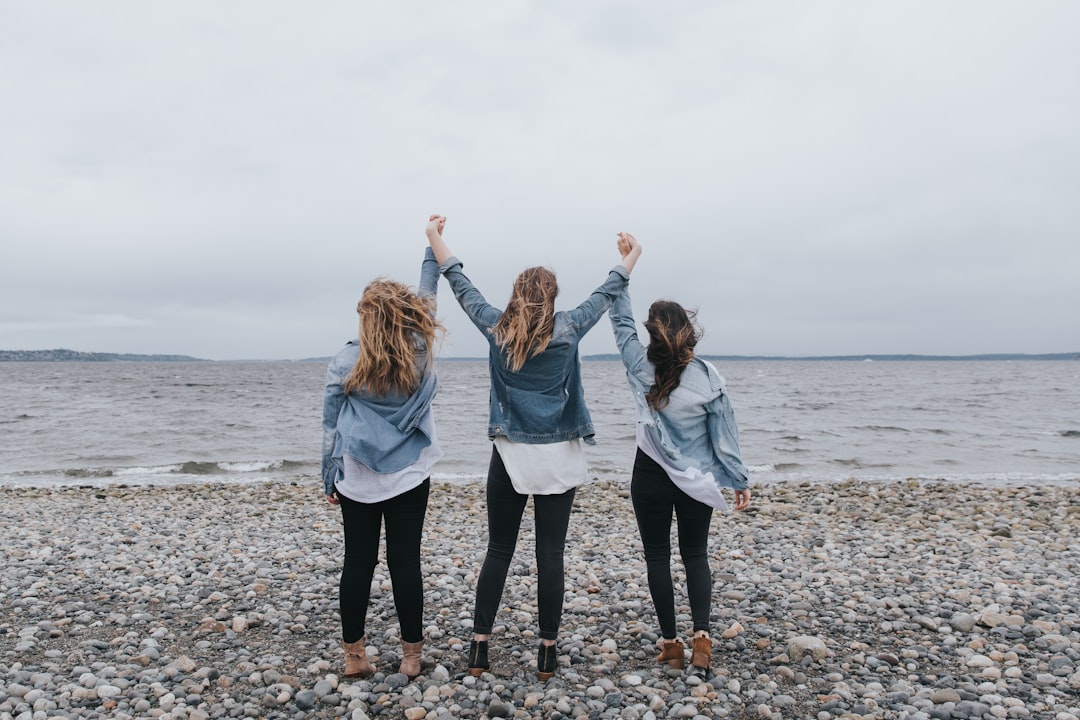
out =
column 525, row 327
column 393, row 319
column 673, row 334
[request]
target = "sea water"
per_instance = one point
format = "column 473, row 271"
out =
column 134, row 423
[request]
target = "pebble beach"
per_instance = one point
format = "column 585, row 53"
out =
column 844, row 600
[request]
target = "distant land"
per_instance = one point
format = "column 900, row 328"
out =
column 62, row 355
column 883, row 358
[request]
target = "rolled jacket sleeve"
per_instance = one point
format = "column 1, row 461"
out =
column 333, row 399
column 429, row 275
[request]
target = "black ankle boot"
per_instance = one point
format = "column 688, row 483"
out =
column 478, row 658
column 546, row 660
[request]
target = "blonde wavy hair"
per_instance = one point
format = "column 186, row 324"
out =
column 525, row 327
column 392, row 319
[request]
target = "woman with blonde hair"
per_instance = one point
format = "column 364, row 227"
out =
column 379, row 445
column 537, row 422
column 687, row 450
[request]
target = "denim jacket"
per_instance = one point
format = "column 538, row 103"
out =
column 543, row 402
column 382, row 432
column 697, row 428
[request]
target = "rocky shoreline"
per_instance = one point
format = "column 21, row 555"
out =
column 909, row 600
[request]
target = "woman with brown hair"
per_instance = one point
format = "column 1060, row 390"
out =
column 537, row 422
column 379, row 445
column 687, row 450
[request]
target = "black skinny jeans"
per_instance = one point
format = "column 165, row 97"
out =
column 655, row 497
column 505, row 506
column 404, row 517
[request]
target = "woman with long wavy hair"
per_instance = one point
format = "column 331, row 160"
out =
column 687, row 450
column 537, row 422
column 379, row 445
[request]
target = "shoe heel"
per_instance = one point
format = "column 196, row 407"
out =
column 478, row 658
column 672, row 654
column 701, row 657
column 546, row 660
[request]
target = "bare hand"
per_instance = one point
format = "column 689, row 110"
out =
column 742, row 499
column 333, row 499
column 630, row 249
column 436, row 223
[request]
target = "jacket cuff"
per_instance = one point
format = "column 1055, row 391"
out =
column 450, row 263
column 621, row 271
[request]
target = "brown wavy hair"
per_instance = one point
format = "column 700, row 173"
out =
column 526, row 325
column 392, row 318
column 673, row 334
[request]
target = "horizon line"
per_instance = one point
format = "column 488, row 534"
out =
column 64, row 354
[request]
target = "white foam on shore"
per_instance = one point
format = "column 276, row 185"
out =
column 242, row 473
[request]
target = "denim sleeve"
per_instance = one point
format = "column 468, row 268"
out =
column 482, row 314
column 724, row 435
column 626, row 338
column 588, row 313
column 429, row 275
column 333, row 399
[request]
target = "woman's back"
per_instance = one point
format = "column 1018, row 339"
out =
column 543, row 400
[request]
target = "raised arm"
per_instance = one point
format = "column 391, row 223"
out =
column 435, row 226
column 480, row 312
column 626, row 338
column 585, row 315
column 429, row 275
column 630, row 249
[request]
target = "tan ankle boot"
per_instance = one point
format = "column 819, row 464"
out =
column 410, row 658
column 672, row 654
column 701, row 655
column 356, row 662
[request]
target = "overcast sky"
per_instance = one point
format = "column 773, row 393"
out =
column 222, row 179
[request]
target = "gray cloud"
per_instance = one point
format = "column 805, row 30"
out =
column 817, row 179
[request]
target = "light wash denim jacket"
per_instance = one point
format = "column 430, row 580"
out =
column 697, row 428
column 382, row 432
column 543, row 402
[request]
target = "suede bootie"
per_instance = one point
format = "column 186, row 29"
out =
column 410, row 658
column 673, row 654
column 701, row 656
column 356, row 662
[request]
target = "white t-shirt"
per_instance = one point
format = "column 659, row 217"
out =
column 698, row 485
column 362, row 484
column 546, row 469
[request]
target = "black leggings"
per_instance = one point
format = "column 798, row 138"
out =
column 655, row 497
column 505, row 506
column 404, row 516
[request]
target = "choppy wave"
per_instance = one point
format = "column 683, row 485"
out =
column 192, row 471
column 816, row 422
column 797, row 473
